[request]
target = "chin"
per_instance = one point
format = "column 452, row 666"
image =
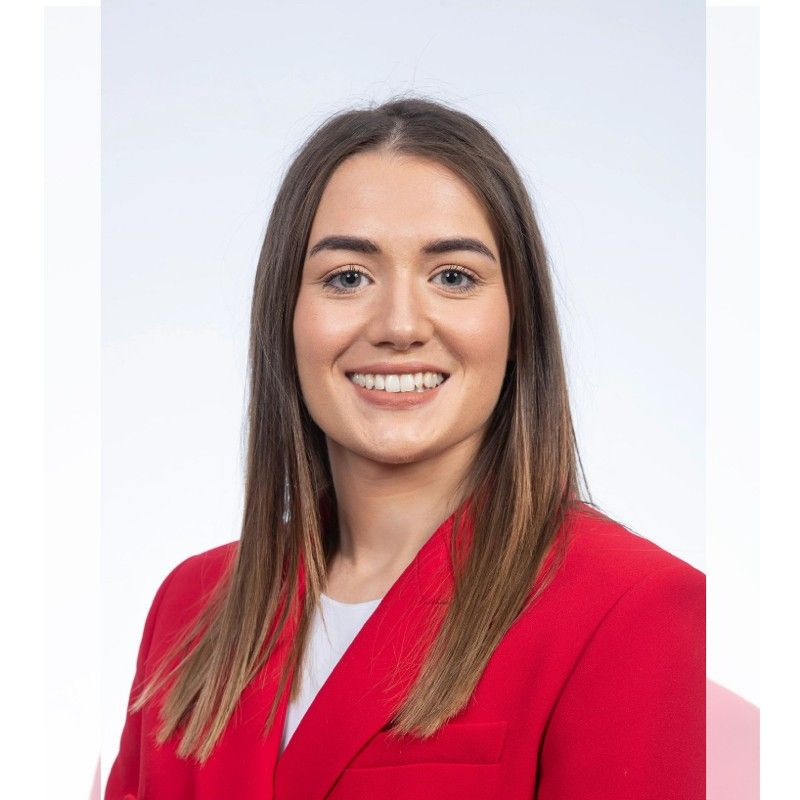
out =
column 396, row 453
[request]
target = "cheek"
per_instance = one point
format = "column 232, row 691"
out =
column 482, row 338
column 309, row 326
column 320, row 334
column 307, row 331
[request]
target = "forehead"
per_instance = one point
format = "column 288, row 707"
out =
column 399, row 197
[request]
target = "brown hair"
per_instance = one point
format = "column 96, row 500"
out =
column 529, row 442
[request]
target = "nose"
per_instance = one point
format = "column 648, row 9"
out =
column 400, row 317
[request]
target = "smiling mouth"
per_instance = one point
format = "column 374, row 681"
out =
column 398, row 383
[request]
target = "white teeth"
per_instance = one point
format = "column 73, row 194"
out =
column 406, row 382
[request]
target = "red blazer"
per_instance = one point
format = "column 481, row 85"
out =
column 596, row 691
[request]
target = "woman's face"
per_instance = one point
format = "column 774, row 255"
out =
column 388, row 291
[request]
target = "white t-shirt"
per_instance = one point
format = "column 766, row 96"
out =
column 333, row 628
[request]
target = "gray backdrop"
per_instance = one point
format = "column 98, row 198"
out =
column 600, row 105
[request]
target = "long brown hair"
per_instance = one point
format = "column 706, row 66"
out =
column 521, row 485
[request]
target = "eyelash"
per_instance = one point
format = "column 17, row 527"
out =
column 346, row 270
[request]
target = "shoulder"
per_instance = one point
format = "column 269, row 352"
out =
column 617, row 605
column 602, row 552
column 607, row 570
column 627, row 709
column 200, row 572
column 186, row 588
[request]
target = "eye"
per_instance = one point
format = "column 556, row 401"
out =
column 458, row 274
column 350, row 277
column 457, row 279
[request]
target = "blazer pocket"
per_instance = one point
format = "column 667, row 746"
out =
column 459, row 743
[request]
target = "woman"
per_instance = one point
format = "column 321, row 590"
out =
column 420, row 604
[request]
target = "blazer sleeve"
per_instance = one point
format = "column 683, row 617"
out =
column 123, row 777
column 629, row 723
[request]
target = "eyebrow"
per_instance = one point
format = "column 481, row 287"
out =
column 357, row 244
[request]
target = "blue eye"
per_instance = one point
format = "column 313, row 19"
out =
column 350, row 278
column 459, row 274
column 350, row 273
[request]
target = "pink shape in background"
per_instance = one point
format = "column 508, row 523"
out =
column 732, row 745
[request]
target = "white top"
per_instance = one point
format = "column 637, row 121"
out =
column 333, row 628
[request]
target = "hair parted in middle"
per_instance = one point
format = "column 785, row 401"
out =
column 519, row 489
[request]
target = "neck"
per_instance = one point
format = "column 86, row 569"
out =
column 386, row 513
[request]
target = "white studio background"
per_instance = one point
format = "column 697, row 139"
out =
column 732, row 349
column 601, row 106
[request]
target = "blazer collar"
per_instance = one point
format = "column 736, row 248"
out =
column 358, row 699
column 371, row 679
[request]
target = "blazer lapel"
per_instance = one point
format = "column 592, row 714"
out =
column 371, row 679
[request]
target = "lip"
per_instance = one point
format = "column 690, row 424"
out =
column 396, row 400
column 396, row 368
